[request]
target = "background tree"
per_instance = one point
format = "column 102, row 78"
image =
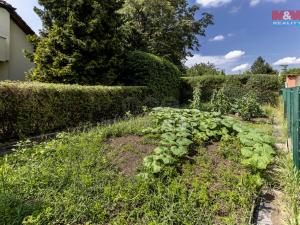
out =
column 204, row 69
column 260, row 66
column 165, row 28
column 80, row 42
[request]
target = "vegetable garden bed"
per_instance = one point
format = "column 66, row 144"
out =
column 172, row 167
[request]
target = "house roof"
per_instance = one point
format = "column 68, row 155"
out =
column 16, row 18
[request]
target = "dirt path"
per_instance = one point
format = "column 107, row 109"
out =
column 271, row 209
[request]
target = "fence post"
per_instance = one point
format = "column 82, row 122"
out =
column 295, row 126
column 284, row 94
column 289, row 110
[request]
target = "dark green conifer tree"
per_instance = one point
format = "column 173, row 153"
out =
column 81, row 42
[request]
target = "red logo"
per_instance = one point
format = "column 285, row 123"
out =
column 286, row 15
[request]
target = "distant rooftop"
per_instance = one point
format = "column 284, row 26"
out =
column 16, row 18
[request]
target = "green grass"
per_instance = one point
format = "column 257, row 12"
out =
column 287, row 178
column 72, row 180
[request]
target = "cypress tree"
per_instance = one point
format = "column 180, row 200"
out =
column 81, row 42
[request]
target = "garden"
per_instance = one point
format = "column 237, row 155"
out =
column 171, row 166
column 131, row 162
column 112, row 128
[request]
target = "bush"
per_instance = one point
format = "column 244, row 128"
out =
column 265, row 87
column 248, row 107
column 159, row 74
column 220, row 102
column 196, row 102
column 207, row 83
column 235, row 86
column 36, row 108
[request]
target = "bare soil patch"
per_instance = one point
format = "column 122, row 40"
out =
column 130, row 152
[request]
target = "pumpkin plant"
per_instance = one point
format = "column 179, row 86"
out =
column 179, row 129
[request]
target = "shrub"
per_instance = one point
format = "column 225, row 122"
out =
column 265, row 87
column 248, row 107
column 159, row 74
column 220, row 102
column 207, row 84
column 196, row 102
column 36, row 108
column 235, row 86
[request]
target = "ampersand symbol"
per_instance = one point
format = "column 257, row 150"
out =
column 286, row 15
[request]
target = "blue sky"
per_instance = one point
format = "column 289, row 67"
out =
column 243, row 31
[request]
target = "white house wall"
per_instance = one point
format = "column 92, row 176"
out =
column 4, row 45
column 13, row 63
column 18, row 63
column 4, row 34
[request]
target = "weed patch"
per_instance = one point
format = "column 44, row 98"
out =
column 89, row 178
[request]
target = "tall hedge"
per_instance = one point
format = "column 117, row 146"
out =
column 157, row 73
column 206, row 83
column 266, row 87
column 36, row 108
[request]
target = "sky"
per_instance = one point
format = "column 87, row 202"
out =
column 243, row 30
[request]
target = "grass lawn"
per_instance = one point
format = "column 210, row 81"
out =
column 92, row 177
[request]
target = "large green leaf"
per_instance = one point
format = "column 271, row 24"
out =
column 156, row 167
column 166, row 159
column 169, row 136
column 183, row 142
column 161, row 150
column 179, row 151
column 247, row 151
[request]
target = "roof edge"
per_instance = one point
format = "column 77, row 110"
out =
column 16, row 18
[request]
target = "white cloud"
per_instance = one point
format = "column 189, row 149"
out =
column 234, row 54
column 217, row 38
column 242, row 67
column 235, row 9
column 197, row 59
column 287, row 61
column 256, row 2
column 213, row 3
column 218, row 60
column 275, row 1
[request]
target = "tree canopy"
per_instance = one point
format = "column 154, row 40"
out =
column 260, row 66
column 86, row 41
column 80, row 42
column 165, row 28
column 204, row 69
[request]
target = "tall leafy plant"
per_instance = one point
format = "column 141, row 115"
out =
column 196, row 102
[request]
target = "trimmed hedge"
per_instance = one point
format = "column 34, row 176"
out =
column 266, row 87
column 157, row 73
column 206, row 83
column 35, row 108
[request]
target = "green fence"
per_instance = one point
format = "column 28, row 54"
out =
column 292, row 113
